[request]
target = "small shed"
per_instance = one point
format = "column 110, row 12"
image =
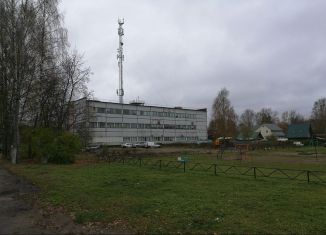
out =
column 300, row 131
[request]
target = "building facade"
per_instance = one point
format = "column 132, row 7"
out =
column 111, row 123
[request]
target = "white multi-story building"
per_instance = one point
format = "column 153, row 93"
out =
column 111, row 123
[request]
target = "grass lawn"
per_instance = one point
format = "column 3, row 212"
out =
column 148, row 200
column 289, row 158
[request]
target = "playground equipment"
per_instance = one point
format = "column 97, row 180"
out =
column 243, row 150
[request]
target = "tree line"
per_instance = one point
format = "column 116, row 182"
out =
column 40, row 74
column 226, row 122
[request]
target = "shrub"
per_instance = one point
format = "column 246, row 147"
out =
column 46, row 145
column 64, row 148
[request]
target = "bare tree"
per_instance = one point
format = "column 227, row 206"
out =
column 224, row 118
column 247, row 122
column 292, row 117
column 318, row 116
column 265, row 116
column 75, row 77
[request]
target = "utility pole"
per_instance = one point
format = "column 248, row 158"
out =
column 120, row 58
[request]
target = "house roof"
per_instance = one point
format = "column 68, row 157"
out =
column 296, row 131
column 273, row 127
column 278, row 133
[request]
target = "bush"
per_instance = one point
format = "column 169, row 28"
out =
column 64, row 148
column 46, row 145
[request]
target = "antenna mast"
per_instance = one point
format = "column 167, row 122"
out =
column 120, row 58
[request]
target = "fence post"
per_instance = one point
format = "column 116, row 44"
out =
column 215, row 169
column 139, row 162
column 308, row 176
column 160, row 164
column 184, row 166
column 255, row 172
column 109, row 160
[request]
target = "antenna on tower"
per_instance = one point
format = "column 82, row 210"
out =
column 120, row 58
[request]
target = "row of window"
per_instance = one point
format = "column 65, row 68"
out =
column 145, row 113
column 140, row 126
column 159, row 138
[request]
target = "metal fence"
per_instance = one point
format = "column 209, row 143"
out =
column 222, row 169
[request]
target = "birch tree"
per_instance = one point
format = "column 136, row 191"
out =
column 39, row 74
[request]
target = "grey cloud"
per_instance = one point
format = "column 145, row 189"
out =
column 181, row 53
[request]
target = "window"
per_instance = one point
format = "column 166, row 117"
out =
column 110, row 125
column 180, row 138
column 157, row 138
column 118, row 111
column 118, row 125
column 133, row 125
column 101, row 110
column 168, row 139
column 169, row 126
column 142, row 138
column 133, row 112
column 190, row 116
column 93, row 124
column 126, row 139
column 114, row 111
column 147, row 126
column 154, row 114
column 125, row 125
column 101, row 124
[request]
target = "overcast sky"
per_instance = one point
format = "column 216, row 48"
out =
column 267, row 53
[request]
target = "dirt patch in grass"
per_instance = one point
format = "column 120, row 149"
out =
column 22, row 213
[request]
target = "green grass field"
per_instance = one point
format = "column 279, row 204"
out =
column 146, row 200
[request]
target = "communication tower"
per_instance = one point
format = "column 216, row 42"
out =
column 120, row 58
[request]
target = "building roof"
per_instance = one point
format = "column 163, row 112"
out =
column 144, row 105
column 299, row 131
